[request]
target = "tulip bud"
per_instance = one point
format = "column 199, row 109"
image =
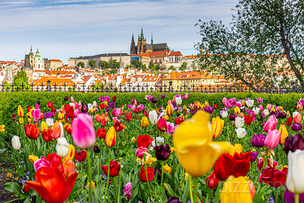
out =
column 271, row 124
column 224, row 114
column 249, row 103
column 239, row 122
column 232, row 116
column 84, row 108
column 272, row 139
column 16, row 143
column 62, row 147
column 32, row 158
column 153, row 117
column 253, row 156
column 96, row 149
column 144, row 122
column 110, row 139
column 26, row 188
column 295, row 180
column 50, row 104
column 83, row 132
column 162, row 152
column 211, row 181
column 178, row 100
column 162, row 125
column 260, row 164
column 284, row 133
column 217, row 127
column 20, row 111
column 81, row 156
column 186, row 95
column 240, row 132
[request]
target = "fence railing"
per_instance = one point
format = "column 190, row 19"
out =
column 129, row 88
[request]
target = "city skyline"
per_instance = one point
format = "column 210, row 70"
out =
column 69, row 28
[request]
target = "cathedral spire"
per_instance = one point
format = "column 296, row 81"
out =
column 142, row 33
column 152, row 38
column 31, row 51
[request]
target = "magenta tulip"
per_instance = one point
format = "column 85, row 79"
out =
column 117, row 112
column 36, row 113
column 83, row 132
column 272, row 139
column 271, row 124
column 186, row 96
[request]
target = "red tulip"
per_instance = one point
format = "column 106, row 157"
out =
column 162, row 125
column 144, row 141
column 128, row 116
column 101, row 133
column 214, row 106
column 179, row 120
column 69, row 110
column 211, row 181
column 140, row 152
column 144, row 173
column 68, row 128
column 118, row 126
column 52, row 185
column 46, row 135
column 103, row 123
column 80, row 156
column 273, row 177
column 248, row 119
column 98, row 118
column 289, row 121
column 260, row 164
column 26, row 188
column 32, row 131
column 50, row 104
column 29, row 109
column 114, row 169
column 114, row 98
column 103, row 105
column 236, row 165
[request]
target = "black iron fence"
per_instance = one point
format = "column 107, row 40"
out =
column 129, row 88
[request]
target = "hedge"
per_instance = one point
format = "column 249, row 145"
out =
column 9, row 101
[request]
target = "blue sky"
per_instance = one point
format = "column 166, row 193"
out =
column 68, row 28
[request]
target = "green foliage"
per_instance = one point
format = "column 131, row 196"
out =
column 113, row 63
column 183, row 66
column 136, row 63
column 151, row 66
column 21, row 75
column 157, row 67
column 144, row 67
column 103, row 64
column 171, row 68
column 81, row 64
column 92, row 63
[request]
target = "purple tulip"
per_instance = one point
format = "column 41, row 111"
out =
column 232, row 116
column 173, row 199
column 154, row 100
column 162, row 152
column 290, row 197
column 253, row 156
column 208, row 109
column 258, row 140
column 296, row 126
column 163, row 96
column 294, row 143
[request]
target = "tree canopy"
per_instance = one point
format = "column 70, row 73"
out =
column 81, row 64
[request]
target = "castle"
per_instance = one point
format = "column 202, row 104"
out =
column 143, row 47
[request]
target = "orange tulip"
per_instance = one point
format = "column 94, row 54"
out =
column 20, row 111
column 52, row 185
column 68, row 128
column 56, row 131
column 68, row 167
column 98, row 117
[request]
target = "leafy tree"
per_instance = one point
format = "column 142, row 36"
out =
column 99, row 85
column 20, row 78
column 136, row 63
column 113, row 71
column 157, row 67
column 262, row 35
column 92, row 63
column 144, row 68
column 21, row 74
column 171, row 68
column 81, row 64
column 183, row 66
column 113, row 63
column 103, row 64
column 151, row 66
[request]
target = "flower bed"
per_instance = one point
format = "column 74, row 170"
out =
column 156, row 148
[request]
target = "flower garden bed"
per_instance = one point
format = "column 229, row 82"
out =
column 159, row 148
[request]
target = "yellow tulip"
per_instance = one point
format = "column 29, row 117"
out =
column 288, row 114
column 186, row 176
column 133, row 139
column 60, row 116
column 93, row 110
column 2, row 128
column 110, row 139
column 144, row 122
column 237, row 148
column 32, row 158
column 172, row 150
column 93, row 184
column 195, row 149
column 166, row 117
column 148, row 159
column 243, row 102
column 167, row 169
column 217, row 127
column 21, row 121
column 237, row 110
column 284, row 133
column 236, row 190
column 169, row 110
column 44, row 126
column 71, row 153
column 20, row 111
column 206, row 103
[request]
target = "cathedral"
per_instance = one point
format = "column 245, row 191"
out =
column 143, row 47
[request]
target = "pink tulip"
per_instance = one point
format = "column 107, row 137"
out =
column 76, row 111
column 41, row 163
column 117, row 112
column 272, row 139
column 260, row 100
column 83, row 132
column 127, row 190
column 72, row 99
column 297, row 118
column 140, row 152
column 224, row 100
column 186, row 96
column 271, row 124
column 133, row 101
column 261, row 107
column 36, row 113
column 170, row 128
column 37, row 106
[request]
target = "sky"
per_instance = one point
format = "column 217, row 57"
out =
column 70, row 28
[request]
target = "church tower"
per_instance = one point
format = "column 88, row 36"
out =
column 31, row 57
column 133, row 47
column 141, row 44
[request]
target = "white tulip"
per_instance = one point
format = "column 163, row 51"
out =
column 295, row 176
column 239, row 122
column 159, row 140
column 94, row 103
column 49, row 121
column 62, row 129
column 249, row 103
column 90, row 107
column 62, row 147
column 266, row 112
column 72, row 104
column 256, row 110
column 240, row 132
column 16, row 143
column 153, row 117
column 224, row 114
column 178, row 100
column 294, row 114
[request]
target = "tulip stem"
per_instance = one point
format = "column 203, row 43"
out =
column 90, row 176
column 195, row 184
column 108, row 175
column 162, row 175
column 296, row 198
column 190, row 189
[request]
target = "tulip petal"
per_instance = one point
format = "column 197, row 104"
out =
column 43, row 192
column 69, row 184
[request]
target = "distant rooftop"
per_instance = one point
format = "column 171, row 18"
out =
column 100, row 55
